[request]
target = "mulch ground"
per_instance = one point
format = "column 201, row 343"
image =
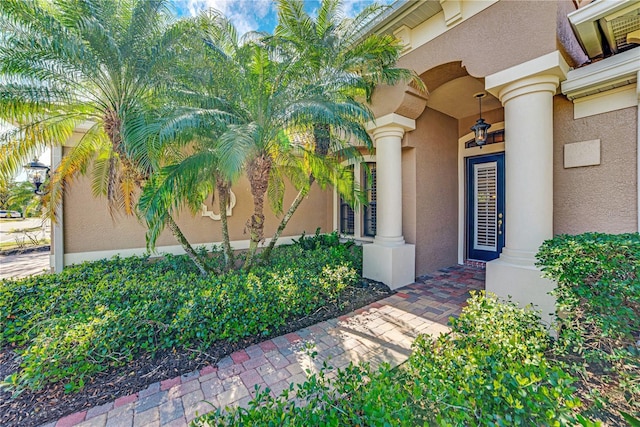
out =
column 30, row 409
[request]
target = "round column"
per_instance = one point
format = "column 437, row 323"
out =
column 388, row 141
column 528, row 111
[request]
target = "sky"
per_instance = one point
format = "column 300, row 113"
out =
column 260, row 15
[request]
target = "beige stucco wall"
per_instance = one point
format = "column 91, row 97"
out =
column 436, row 190
column 596, row 198
column 505, row 34
column 493, row 116
column 409, row 196
column 89, row 227
column 567, row 41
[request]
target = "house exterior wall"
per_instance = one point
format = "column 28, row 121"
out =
column 602, row 197
column 436, row 190
column 493, row 116
column 88, row 226
column 480, row 42
column 528, row 26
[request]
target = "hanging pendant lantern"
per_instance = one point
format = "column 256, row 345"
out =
column 480, row 128
column 37, row 173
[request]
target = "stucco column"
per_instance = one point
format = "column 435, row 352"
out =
column 388, row 143
column 528, row 112
column 389, row 259
column 526, row 92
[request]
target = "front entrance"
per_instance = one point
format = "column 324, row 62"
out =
column 485, row 206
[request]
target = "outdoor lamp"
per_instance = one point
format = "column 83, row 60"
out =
column 37, row 173
column 480, row 128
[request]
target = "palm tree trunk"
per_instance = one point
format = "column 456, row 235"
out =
column 322, row 137
column 191, row 253
column 258, row 172
column 223, row 191
column 112, row 123
column 285, row 220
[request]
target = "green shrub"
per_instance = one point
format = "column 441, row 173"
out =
column 357, row 396
column 68, row 326
column 319, row 240
column 598, row 292
column 598, row 306
column 490, row 371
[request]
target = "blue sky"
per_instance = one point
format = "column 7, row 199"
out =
column 251, row 15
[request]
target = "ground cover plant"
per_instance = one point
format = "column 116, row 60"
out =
column 598, row 304
column 498, row 366
column 490, row 370
column 70, row 329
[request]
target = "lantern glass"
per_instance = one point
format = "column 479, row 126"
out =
column 37, row 173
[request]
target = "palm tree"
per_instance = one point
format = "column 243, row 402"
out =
column 330, row 44
column 94, row 63
column 273, row 104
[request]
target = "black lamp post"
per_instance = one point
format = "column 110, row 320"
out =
column 480, row 128
column 37, row 173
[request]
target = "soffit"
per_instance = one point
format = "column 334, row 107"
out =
column 410, row 13
column 604, row 24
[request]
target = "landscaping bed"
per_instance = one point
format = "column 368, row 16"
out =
column 62, row 353
column 498, row 366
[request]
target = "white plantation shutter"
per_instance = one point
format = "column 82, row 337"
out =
column 485, row 206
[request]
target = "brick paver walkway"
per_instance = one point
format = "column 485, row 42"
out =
column 380, row 332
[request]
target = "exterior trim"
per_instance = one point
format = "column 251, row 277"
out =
column 57, row 228
column 463, row 153
column 439, row 24
column 357, row 227
column 78, row 257
column 549, row 65
column 604, row 102
column 585, row 22
column 615, row 71
column 391, row 120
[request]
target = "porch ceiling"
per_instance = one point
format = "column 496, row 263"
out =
column 455, row 98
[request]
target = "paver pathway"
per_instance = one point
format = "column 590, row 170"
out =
column 380, row 332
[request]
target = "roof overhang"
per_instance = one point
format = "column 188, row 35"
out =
column 409, row 13
column 605, row 24
column 610, row 73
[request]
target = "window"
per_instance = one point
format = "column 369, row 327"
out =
column 361, row 222
column 347, row 216
column 369, row 211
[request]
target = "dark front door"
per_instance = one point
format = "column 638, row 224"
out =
column 485, row 206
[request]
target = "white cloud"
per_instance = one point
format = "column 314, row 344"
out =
column 246, row 15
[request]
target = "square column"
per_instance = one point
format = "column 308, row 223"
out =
column 526, row 92
column 389, row 259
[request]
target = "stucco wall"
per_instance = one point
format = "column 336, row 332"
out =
column 436, row 188
column 505, row 34
column 89, row 227
column 596, row 198
column 567, row 42
column 493, row 116
column 409, row 197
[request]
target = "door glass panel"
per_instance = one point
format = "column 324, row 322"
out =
column 485, row 206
